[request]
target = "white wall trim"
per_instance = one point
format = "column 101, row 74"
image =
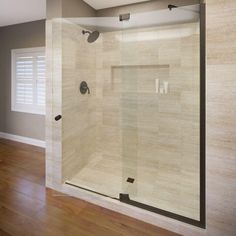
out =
column 21, row 139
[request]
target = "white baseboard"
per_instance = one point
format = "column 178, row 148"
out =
column 21, row 139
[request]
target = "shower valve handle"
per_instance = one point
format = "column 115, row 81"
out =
column 84, row 88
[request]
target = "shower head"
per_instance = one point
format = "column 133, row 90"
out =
column 93, row 36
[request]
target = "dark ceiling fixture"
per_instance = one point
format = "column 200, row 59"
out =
column 171, row 7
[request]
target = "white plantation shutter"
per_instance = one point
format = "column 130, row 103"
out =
column 29, row 80
column 40, row 80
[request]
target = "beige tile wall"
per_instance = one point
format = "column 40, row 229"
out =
column 221, row 116
column 79, row 118
column 54, row 103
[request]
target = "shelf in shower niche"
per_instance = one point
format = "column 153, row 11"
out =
column 142, row 66
column 137, row 77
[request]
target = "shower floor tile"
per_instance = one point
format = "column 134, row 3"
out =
column 163, row 189
column 98, row 176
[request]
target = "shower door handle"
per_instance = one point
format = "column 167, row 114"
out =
column 57, row 118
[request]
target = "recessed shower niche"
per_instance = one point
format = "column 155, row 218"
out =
column 137, row 134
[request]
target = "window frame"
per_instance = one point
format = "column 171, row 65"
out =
column 31, row 108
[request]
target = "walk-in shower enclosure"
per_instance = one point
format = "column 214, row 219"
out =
column 130, row 93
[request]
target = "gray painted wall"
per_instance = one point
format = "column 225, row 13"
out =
column 1, row 87
column 12, row 37
column 54, row 8
column 69, row 8
column 77, row 8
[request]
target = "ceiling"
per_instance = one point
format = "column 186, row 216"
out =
column 101, row 4
column 20, row 11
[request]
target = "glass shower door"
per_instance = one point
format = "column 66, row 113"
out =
column 135, row 136
column 160, row 112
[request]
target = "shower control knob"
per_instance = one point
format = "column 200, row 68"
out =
column 84, row 88
column 57, row 118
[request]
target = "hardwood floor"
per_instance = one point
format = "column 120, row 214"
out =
column 27, row 208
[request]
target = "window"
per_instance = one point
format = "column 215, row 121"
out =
column 28, row 80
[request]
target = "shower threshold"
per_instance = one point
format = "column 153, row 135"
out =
column 90, row 190
column 125, row 198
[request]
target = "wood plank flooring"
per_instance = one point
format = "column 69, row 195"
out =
column 28, row 208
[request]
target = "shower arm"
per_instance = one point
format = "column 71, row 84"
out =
column 170, row 6
column 86, row 32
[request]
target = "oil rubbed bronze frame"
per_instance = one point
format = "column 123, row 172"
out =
column 125, row 197
column 202, row 222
